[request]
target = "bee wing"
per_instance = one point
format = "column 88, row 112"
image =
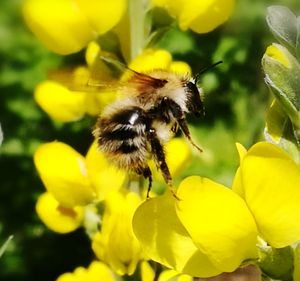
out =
column 81, row 79
column 106, row 73
column 134, row 79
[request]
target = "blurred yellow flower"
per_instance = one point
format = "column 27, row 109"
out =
column 60, row 103
column 212, row 226
column 66, row 26
column 64, row 174
column 73, row 179
column 178, row 154
column 95, row 272
column 151, row 59
column 56, row 217
column 116, row 244
column 200, row 16
column 104, row 176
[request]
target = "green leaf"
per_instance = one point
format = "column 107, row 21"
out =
column 277, row 263
column 1, row 135
column 283, row 24
column 296, row 274
column 4, row 246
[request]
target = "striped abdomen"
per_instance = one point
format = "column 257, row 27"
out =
column 122, row 137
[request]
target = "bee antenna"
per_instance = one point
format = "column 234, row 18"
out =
column 206, row 69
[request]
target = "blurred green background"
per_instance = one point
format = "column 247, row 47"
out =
column 236, row 101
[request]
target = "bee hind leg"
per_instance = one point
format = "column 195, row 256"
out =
column 148, row 175
column 160, row 159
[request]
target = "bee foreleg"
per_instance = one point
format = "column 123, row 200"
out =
column 180, row 118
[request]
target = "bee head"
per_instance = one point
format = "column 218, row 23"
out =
column 194, row 103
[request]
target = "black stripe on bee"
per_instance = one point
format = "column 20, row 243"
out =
column 126, row 148
column 119, row 134
column 130, row 116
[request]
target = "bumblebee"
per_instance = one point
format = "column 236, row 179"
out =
column 135, row 128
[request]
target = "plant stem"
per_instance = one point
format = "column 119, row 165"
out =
column 136, row 17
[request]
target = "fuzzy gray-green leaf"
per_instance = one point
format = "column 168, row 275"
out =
column 283, row 24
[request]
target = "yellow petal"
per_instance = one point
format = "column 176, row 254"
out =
column 147, row 273
column 116, row 244
column 180, row 67
column 218, row 221
column 237, row 185
column 169, row 275
column 92, row 52
column 178, row 153
column 271, row 183
column 64, row 174
column 56, row 217
column 104, row 177
column 59, row 24
column 95, row 272
column 201, row 16
column 165, row 240
column 205, row 16
column 96, row 102
column 278, row 53
column 60, row 103
column 102, row 15
column 151, row 59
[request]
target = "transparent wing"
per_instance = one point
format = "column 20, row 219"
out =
column 106, row 73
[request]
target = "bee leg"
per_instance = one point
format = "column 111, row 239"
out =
column 179, row 116
column 148, row 175
column 160, row 159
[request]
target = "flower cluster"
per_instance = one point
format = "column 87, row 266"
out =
column 208, row 228
column 282, row 74
column 212, row 229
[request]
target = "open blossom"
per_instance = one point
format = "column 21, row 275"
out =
column 212, row 229
column 95, row 272
column 67, row 26
column 115, row 243
column 75, row 180
column 200, row 16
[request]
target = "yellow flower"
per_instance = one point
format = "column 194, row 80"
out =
column 211, row 229
column 56, row 217
column 147, row 274
column 278, row 53
column 270, row 182
column 104, row 177
column 66, row 26
column 202, row 239
column 200, row 16
column 178, row 153
column 64, row 174
column 73, row 179
column 115, row 244
column 60, row 103
column 95, row 272
column 151, row 59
